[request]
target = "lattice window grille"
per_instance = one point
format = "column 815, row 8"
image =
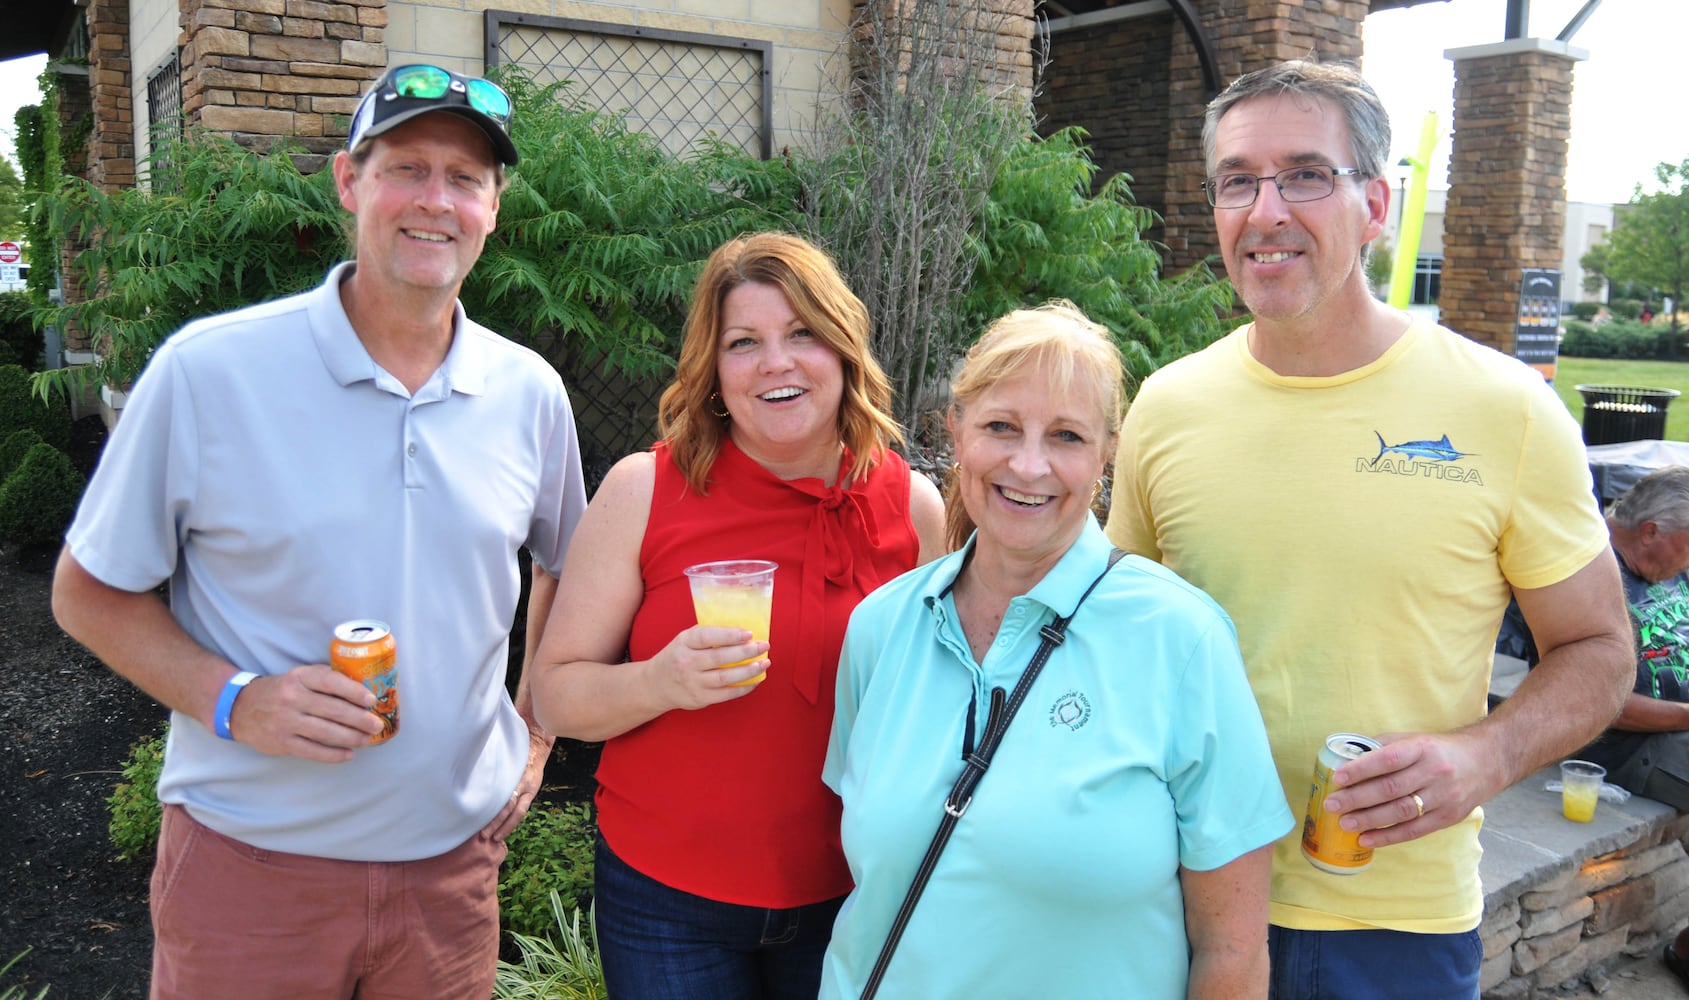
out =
column 679, row 87
column 164, row 117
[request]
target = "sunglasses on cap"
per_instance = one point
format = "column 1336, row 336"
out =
column 405, row 92
column 432, row 82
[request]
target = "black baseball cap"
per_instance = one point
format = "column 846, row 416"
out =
column 405, row 92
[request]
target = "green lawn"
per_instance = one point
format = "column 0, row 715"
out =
column 1573, row 372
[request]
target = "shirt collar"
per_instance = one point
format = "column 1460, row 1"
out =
column 1059, row 590
column 463, row 370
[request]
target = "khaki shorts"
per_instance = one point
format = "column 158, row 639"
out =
column 231, row 920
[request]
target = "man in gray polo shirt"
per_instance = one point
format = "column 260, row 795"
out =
column 362, row 450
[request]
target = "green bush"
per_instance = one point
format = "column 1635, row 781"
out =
column 1044, row 235
column 21, row 407
column 1585, row 310
column 38, row 499
column 135, row 812
column 1617, row 339
column 14, row 446
column 21, row 341
column 550, row 852
column 1625, row 308
column 562, row 966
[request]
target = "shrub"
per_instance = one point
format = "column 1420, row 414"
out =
column 1626, row 308
column 21, row 407
column 1618, row 339
column 550, row 854
column 1585, row 310
column 135, row 812
column 39, row 497
column 1044, row 235
column 562, row 967
column 14, row 446
column 21, row 342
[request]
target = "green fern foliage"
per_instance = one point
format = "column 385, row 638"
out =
column 601, row 231
column 1044, row 234
column 220, row 228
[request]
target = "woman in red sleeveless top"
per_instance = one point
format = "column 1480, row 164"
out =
column 719, row 869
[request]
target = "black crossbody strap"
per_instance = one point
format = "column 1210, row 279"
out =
column 961, row 795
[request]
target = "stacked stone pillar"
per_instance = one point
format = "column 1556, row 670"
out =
column 1507, row 180
column 261, row 70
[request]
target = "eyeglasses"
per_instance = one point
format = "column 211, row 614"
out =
column 1309, row 182
column 432, row 83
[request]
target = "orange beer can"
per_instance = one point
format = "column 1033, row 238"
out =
column 363, row 649
column 1327, row 846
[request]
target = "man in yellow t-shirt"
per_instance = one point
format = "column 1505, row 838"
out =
column 1362, row 493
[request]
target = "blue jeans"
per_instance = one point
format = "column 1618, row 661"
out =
column 658, row 943
column 1373, row 965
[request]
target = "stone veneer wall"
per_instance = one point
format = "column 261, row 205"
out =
column 257, row 70
column 1009, row 23
column 1624, row 901
column 1507, row 181
column 1247, row 35
column 1113, row 80
column 111, row 143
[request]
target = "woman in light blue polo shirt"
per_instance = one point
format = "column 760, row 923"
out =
column 1119, row 844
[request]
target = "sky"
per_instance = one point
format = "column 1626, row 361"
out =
column 1627, row 110
column 1627, row 113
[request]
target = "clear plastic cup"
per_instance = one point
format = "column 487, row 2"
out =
column 1580, row 789
column 737, row 593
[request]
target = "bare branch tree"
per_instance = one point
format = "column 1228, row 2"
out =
column 934, row 105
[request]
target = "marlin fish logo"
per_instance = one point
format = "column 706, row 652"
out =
column 1436, row 451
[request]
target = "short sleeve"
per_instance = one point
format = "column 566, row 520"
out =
column 1130, row 524
column 137, row 510
column 1226, row 790
column 1556, row 526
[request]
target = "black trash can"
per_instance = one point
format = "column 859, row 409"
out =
column 1615, row 413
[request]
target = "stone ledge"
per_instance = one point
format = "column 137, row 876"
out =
column 1537, row 869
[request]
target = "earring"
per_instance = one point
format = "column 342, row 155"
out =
column 715, row 398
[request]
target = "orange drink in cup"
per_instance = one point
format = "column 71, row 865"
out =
column 737, row 593
column 1580, row 789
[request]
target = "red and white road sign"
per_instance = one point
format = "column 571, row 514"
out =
column 10, row 253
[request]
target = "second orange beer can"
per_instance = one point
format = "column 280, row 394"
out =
column 363, row 649
column 1327, row 846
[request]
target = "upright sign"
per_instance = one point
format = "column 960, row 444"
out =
column 1536, row 333
column 10, row 253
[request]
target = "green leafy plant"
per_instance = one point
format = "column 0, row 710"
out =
column 21, row 342
column 1044, row 235
column 1616, row 339
column 21, row 407
column 550, row 853
column 39, row 497
column 1585, row 310
column 221, row 227
column 14, row 446
column 562, row 966
column 135, row 812
column 601, row 232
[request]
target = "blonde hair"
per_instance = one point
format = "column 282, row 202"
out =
column 686, row 417
column 1056, row 337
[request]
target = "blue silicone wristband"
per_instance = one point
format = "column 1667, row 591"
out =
column 226, row 702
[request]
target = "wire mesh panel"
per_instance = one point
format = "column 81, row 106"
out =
column 615, row 414
column 677, row 86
